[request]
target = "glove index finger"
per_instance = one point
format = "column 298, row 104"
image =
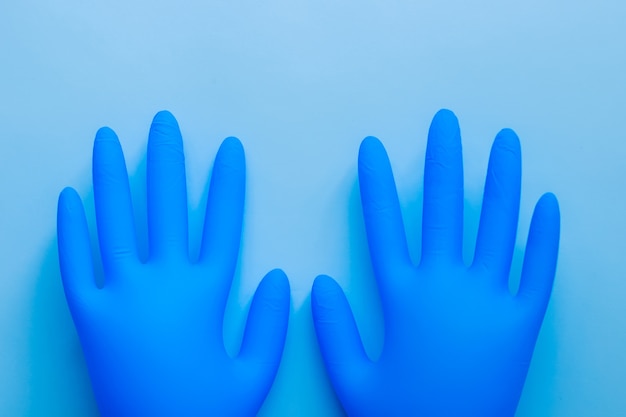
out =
column 381, row 211
column 114, row 209
column 224, row 211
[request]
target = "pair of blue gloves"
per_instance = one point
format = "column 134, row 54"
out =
column 457, row 342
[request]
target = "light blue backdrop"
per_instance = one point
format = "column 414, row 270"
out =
column 301, row 83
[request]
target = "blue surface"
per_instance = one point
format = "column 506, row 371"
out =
column 301, row 83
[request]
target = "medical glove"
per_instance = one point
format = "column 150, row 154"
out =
column 457, row 342
column 152, row 336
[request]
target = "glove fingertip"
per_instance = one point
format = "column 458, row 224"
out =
column 274, row 290
column 372, row 155
column 445, row 121
column 164, row 130
column 368, row 144
column 326, row 295
column 68, row 199
column 549, row 202
column 165, row 117
column 507, row 140
column 104, row 134
column 334, row 322
column 232, row 144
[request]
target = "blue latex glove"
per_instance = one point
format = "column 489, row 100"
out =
column 152, row 336
column 457, row 342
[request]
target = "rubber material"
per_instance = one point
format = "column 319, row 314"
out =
column 152, row 336
column 457, row 342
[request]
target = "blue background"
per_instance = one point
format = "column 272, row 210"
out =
column 301, row 83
